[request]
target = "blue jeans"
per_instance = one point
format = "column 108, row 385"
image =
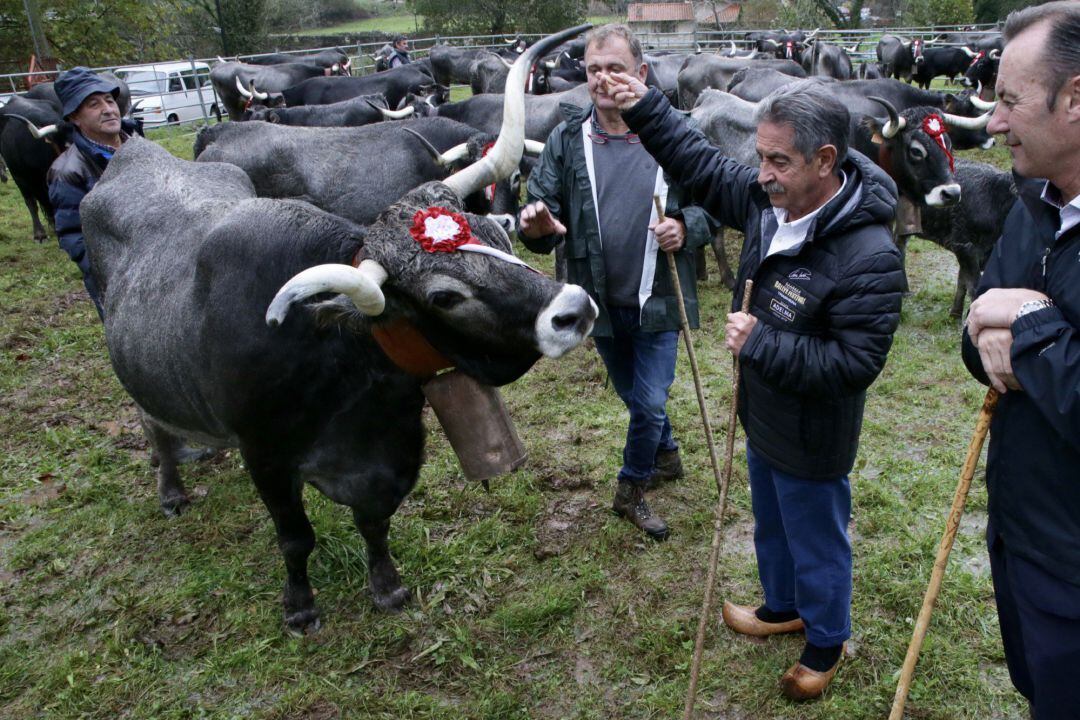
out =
column 802, row 546
column 641, row 366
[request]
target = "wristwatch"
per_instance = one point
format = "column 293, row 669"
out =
column 1031, row 306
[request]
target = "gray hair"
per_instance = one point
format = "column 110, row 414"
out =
column 601, row 35
column 1061, row 56
column 817, row 118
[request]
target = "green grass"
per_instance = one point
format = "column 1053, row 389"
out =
column 399, row 23
column 530, row 602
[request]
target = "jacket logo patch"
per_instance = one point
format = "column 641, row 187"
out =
column 790, row 292
column 781, row 310
column 799, row 274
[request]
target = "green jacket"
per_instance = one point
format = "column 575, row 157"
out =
column 561, row 180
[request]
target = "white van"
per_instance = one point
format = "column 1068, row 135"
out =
column 168, row 93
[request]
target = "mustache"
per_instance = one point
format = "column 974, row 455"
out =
column 773, row 188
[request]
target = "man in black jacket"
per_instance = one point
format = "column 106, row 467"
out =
column 1021, row 338
column 89, row 103
column 826, row 301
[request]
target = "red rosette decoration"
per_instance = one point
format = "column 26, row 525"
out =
column 438, row 229
column 934, row 126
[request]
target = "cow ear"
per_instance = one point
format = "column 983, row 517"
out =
column 874, row 125
column 950, row 102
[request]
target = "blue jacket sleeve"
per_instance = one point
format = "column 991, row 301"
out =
column 723, row 187
column 65, row 198
column 864, row 312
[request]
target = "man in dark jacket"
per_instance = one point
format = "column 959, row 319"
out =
column 826, row 301
column 1022, row 338
column 400, row 54
column 593, row 189
column 89, row 104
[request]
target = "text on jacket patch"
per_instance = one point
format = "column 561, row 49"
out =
column 791, row 292
column 781, row 310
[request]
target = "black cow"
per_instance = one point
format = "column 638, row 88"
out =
column 856, row 95
column 827, row 60
column 354, row 112
column 488, row 73
column 934, row 62
column 555, row 71
column 897, row 56
column 869, row 71
column 27, row 156
column 971, row 228
column 238, row 83
column 982, row 72
column 393, row 84
column 336, row 60
column 710, row 71
column 305, row 392
column 450, row 65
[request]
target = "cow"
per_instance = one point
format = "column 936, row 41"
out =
column 869, row 71
column 335, row 59
column 393, row 84
column 947, row 61
column 308, row 392
column 488, row 73
column 827, row 60
column 28, row 154
column 971, row 228
column 664, row 72
column 856, row 95
column 897, row 56
column 709, row 71
column 785, row 45
column 354, row 112
column 554, row 72
column 233, row 81
column 982, row 72
column 450, row 65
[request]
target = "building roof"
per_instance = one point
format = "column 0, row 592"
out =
column 727, row 12
column 651, row 12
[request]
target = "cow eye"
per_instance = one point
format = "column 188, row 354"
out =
column 917, row 152
column 445, row 299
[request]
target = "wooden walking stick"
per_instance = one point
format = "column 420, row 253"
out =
column 982, row 425
column 720, row 478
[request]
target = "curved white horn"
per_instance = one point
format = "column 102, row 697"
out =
column 396, row 114
column 734, row 50
column 549, row 64
column 362, row 285
column 533, row 147
column 506, row 62
column 446, row 159
column 994, row 54
column 503, row 158
column 243, row 91
column 968, row 51
column 36, row 132
column 895, row 123
column 966, row 123
column 979, row 103
column 906, row 44
column 258, row 95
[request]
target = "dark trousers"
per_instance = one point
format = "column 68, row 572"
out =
column 1040, row 628
column 802, row 546
column 76, row 250
column 641, row 365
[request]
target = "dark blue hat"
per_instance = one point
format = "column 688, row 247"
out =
column 75, row 85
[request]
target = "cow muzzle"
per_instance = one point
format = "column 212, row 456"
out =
column 943, row 195
column 565, row 322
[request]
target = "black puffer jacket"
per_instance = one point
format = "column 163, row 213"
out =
column 826, row 309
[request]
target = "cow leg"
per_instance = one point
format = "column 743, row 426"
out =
column 387, row 591
column 967, row 278
column 957, row 308
column 282, row 495
column 32, row 206
column 720, row 251
column 170, row 488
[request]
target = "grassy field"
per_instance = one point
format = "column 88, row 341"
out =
column 532, row 601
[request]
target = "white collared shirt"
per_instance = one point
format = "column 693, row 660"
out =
column 1070, row 213
column 790, row 234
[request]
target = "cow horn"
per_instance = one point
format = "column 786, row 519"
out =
column 979, row 103
column 243, row 91
column 968, row 51
column 906, row 44
column 445, row 159
column 771, row 42
column 258, row 95
column 503, row 159
column 734, row 50
column 533, row 147
column 994, row 54
column 394, row 114
column 35, row 131
column 362, row 285
column 968, row 123
column 549, row 64
column 895, row 124
column 505, row 62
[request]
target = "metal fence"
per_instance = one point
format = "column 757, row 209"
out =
column 179, row 92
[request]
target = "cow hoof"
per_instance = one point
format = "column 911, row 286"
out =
column 40, row 239
column 303, row 622
column 174, row 506
column 393, row 601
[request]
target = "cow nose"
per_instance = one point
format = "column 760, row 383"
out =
column 565, row 322
column 950, row 194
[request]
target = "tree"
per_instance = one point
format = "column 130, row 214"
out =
column 494, row 17
column 242, row 23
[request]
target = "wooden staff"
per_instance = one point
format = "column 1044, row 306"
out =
column 982, row 425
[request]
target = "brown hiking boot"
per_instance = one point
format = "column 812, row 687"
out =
column 630, row 503
column 668, row 467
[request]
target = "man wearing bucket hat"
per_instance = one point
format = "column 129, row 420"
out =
column 89, row 104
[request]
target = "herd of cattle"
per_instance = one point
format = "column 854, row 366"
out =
column 312, row 192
